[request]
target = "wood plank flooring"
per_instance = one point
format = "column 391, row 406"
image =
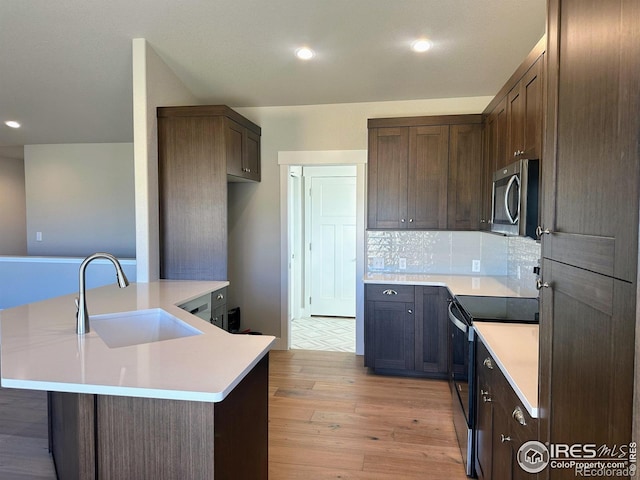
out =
column 329, row 419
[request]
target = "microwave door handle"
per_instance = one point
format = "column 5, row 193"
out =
column 514, row 180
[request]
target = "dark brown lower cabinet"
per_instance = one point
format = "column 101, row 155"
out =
column 406, row 330
column 107, row 437
column 503, row 425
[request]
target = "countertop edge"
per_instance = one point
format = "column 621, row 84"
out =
column 533, row 411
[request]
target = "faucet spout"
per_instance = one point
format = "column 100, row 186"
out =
column 82, row 315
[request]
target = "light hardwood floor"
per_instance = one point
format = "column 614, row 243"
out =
column 329, row 419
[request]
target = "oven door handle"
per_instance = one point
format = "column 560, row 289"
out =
column 460, row 325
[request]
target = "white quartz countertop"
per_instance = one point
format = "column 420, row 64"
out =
column 514, row 347
column 491, row 286
column 41, row 351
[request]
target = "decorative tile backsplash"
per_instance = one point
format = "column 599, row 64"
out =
column 451, row 252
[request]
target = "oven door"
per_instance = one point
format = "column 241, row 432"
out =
column 460, row 363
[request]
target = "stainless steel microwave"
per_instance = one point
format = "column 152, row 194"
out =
column 514, row 204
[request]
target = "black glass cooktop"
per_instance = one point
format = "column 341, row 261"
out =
column 500, row 309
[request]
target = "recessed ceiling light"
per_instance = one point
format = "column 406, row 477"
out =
column 421, row 45
column 305, row 53
column 12, row 124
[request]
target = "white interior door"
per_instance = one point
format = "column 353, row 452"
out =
column 333, row 246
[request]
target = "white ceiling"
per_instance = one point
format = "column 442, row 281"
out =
column 65, row 65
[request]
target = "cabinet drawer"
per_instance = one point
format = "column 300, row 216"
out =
column 219, row 298
column 390, row 293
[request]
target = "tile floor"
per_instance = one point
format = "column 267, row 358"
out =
column 332, row 334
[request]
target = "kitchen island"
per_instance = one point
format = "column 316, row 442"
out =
column 190, row 407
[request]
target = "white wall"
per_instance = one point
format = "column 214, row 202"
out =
column 81, row 197
column 13, row 207
column 154, row 85
column 254, row 210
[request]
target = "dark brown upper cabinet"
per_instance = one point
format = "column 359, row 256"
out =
column 524, row 115
column 513, row 123
column 199, row 149
column 418, row 168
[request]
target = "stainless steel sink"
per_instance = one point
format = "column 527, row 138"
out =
column 124, row 329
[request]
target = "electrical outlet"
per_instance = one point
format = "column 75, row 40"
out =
column 378, row 262
column 475, row 265
column 402, row 263
column 38, row 236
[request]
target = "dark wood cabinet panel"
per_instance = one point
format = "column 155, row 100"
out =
column 193, row 198
column 531, row 87
column 592, row 158
column 199, row 149
column 587, row 356
column 502, row 423
column 427, row 178
column 392, row 327
column 405, row 330
column 410, row 182
column 465, row 177
column 495, row 156
column 387, row 177
column 431, row 330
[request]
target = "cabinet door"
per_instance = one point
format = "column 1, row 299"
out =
column 495, row 140
column 427, row 180
column 531, row 88
column 465, row 177
column 591, row 158
column 587, row 326
column 387, row 177
column 391, row 328
column 484, row 412
column 234, row 150
column 431, row 330
column 502, row 458
column 515, row 123
column 251, row 155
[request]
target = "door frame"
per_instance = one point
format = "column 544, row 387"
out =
column 310, row 158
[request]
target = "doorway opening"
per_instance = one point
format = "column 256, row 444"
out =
column 322, row 239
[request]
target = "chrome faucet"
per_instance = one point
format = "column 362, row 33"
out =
column 82, row 316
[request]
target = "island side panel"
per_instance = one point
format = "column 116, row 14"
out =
column 153, row 438
column 242, row 428
column 71, row 435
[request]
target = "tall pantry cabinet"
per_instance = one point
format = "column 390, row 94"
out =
column 200, row 149
column 590, row 224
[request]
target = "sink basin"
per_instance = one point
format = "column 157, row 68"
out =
column 124, row 329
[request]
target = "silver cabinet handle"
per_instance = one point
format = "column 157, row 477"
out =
column 402, row 220
column 411, row 220
column 486, row 399
column 540, row 284
column 389, row 292
column 488, row 363
column 410, row 312
column 540, row 231
column 518, row 415
column 505, row 438
column 220, row 296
